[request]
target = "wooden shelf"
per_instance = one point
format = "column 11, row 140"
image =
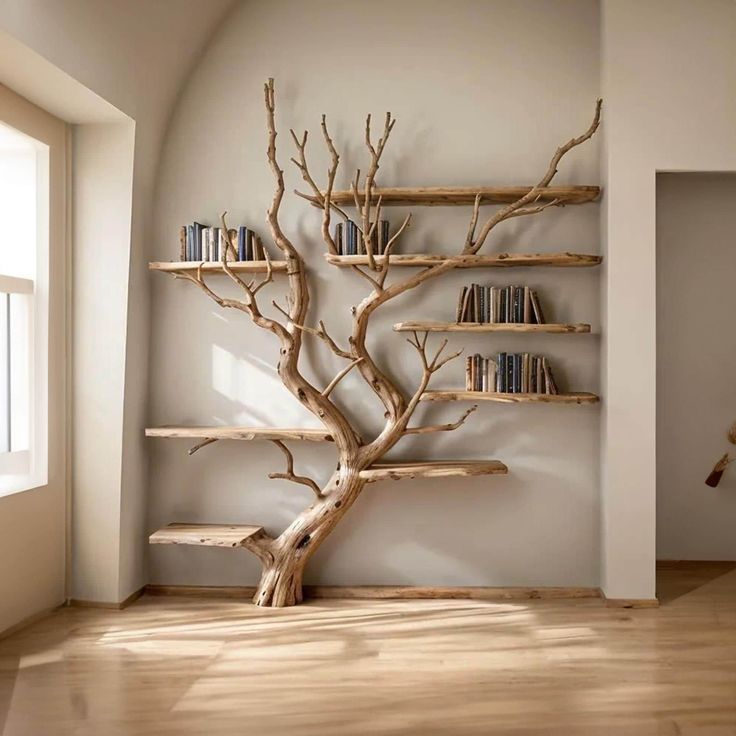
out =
column 433, row 469
column 498, row 260
column 488, row 327
column 215, row 267
column 241, row 433
column 454, row 196
column 206, row 535
column 570, row 398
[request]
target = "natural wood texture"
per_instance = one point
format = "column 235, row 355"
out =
column 448, row 196
column 241, row 433
column 499, row 260
column 190, row 666
column 429, row 326
column 206, row 535
column 569, row 398
column 284, row 558
column 433, row 469
column 388, row 592
column 215, row 267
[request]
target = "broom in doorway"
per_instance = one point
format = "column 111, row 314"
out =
column 717, row 473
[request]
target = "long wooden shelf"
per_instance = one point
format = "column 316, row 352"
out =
column 241, row 433
column 215, row 267
column 433, row 469
column 504, row 398
column 459, row 196
column 497, row 260
column 429, row 326
column 206, row 535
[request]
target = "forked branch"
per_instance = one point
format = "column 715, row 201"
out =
column 290, row 475
column 519, row 208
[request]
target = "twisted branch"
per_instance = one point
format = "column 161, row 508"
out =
column 289, row 474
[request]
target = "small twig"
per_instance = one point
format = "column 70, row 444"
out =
column 200, row 445
column 321, row 333
column 331, row 385
column 289, row 474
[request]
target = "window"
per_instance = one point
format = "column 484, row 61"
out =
column 24, row 197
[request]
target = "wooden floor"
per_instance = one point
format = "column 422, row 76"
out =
column 335, row 668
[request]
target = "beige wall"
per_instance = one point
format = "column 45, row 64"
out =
column 484, row 93
column 696, row 364
column 669, row 69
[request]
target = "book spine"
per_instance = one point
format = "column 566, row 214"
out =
column 492, row 374
column 517, row 373
column 537, row 308
column 469, row 373
column 527, row 305
column 384, row 235
column 525, row 373
column 338, row 239
column 460, row 304
column 198, row 227
column 501, row 374
column 249, row 245
column 183, row 243
column 232, row 243
column 550, row 385
column 242, row 234
column 484, row 375
column 190, row 243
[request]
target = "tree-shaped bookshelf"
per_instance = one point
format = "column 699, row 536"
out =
column 284, row 557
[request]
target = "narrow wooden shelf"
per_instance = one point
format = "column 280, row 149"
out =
column 570, row 398
column 215, row 267
column 206, row 535
column 488, row 327
column 497, row 260
column 459, row 196
column 433, row 469
column 241, row 433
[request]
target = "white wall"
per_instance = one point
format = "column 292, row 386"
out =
column 483, row 93
column 135, row 55
column 669, row 70
column 696, row 364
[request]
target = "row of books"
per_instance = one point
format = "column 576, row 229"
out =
column 511, row 373
column 199, row 242
column 518, row 304
column 349, row 239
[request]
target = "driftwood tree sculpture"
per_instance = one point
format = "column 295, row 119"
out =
column 284, row 557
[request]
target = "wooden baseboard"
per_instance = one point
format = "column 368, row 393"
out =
column 28, row 621
column 696, row 564
column 386, row 592
column 631, row 602
column 108, row 605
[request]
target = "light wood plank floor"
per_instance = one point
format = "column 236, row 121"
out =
column 337, row 668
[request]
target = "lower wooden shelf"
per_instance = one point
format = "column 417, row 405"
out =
column 241, row 433
column 433, row 469
column 206, row 535
column 554, row 328
column 503, row 398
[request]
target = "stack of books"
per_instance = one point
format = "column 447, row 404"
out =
column 199, row 242
column 349, row 239
column 518, row 304
column 509, row 373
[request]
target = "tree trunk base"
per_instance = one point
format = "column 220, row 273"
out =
column 279, row 587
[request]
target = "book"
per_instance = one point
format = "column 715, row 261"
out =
column 460, row 304
column 469, row 373
column 536, row 307
column 528, row 315
column 501, row 374
column 259, row 253
column 183, row 243
column 198, row 228
column 550, row 385
column 242, row 233
column 338, row 238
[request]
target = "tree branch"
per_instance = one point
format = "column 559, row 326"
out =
column 441, row 427
column 331, row 385
column 473, row 245
column 200, row 445
column 289, row 474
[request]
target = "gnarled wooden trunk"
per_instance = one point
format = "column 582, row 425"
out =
column 283, row 570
